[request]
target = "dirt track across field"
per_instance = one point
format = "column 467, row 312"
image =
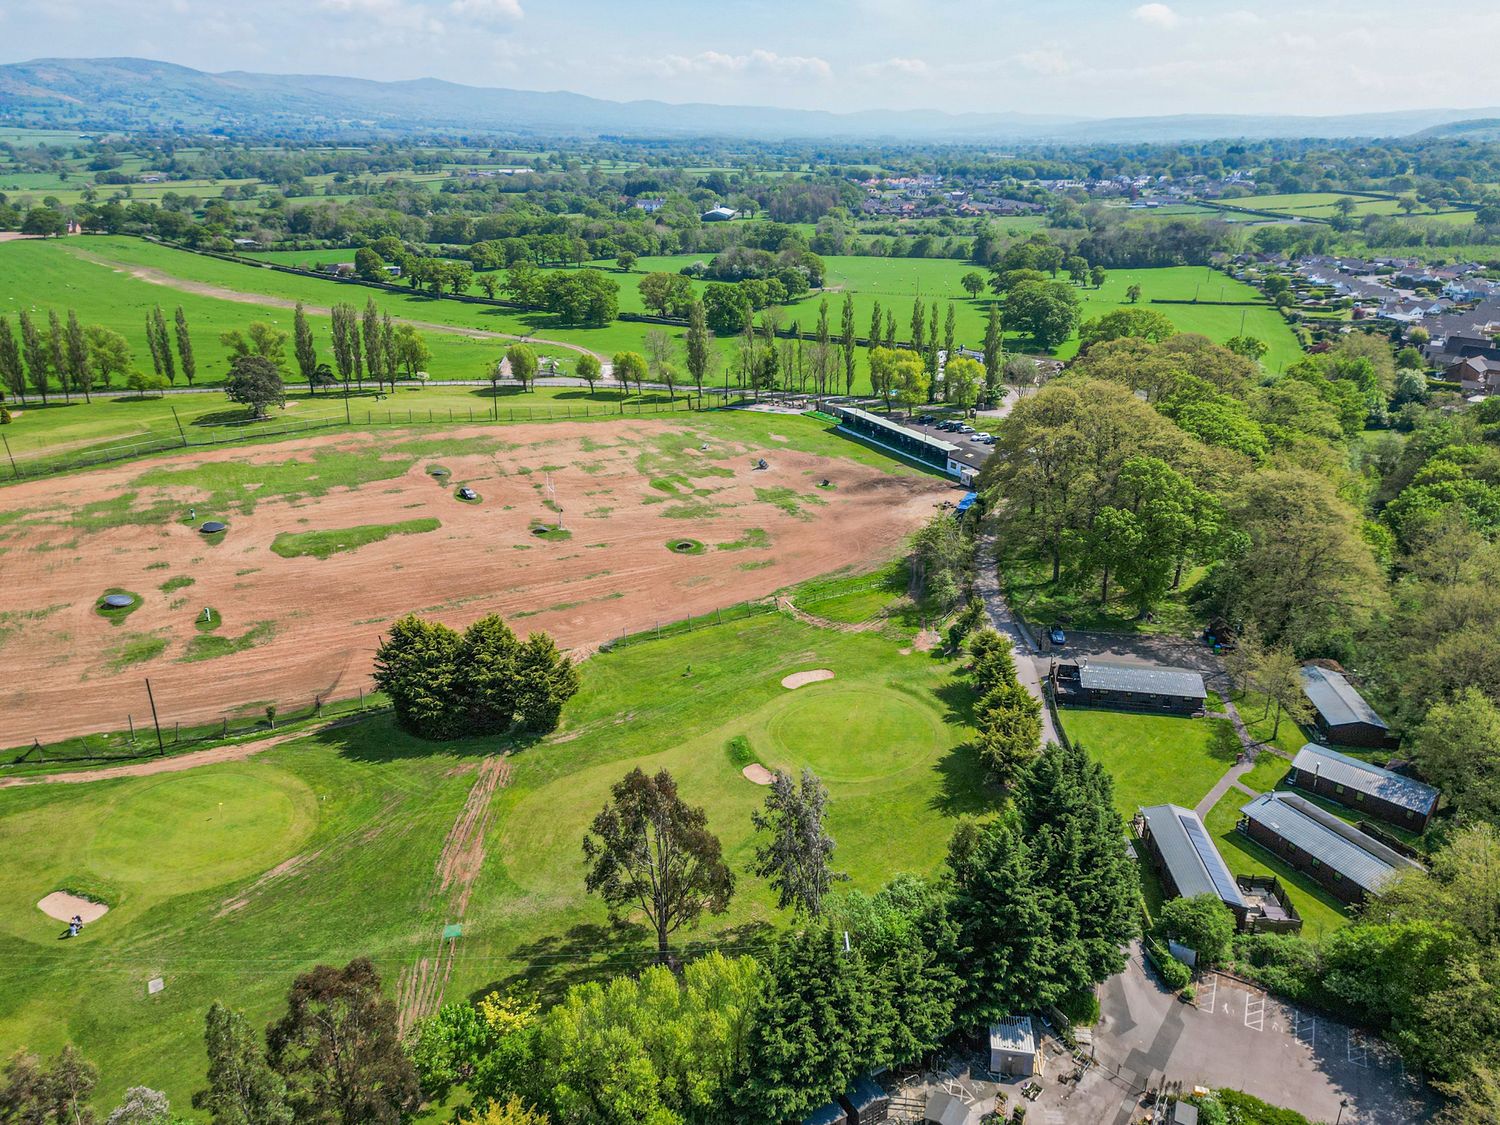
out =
column 204, row 289
column 304, row 627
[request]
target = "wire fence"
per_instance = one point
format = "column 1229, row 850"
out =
column 144, row 739
column 740, row 611
column 48, row 461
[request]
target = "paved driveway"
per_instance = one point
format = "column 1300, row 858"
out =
column 1238, row 1037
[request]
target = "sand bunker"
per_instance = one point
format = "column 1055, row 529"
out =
column 62, row 906
column 758, row 773
column 799, row 679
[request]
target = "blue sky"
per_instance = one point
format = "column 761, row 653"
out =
column 1084, row 57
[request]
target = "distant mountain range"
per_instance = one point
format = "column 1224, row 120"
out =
column 141, row 93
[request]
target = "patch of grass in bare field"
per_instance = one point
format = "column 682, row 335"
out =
column 209, row 646
column 323, row 544
column 137, row 648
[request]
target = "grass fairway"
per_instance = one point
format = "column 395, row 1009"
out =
column 228, row 880
column 321, row 544
column 1321, row 912
column 1154, row 758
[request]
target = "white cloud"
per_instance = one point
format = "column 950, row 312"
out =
column 1157, row 15
column 487, row 11
column 755, row 62
column 1045, row 62
column 895, row 68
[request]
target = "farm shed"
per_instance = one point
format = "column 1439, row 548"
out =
column 866, row 1102
column 1186, row 858
column 1381, row 793
column 1145, row 687
column 1340, row 712
column 1351, row 864
column 1014, row 1049
column 929, row 451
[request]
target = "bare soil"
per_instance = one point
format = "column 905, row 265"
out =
column 615, row 575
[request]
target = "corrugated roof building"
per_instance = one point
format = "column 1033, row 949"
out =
column 1149, row 687
column 1348, row 862
column 1381, row 793
column 1185, row 855
column 1340, row 712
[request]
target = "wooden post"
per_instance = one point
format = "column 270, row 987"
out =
column 160, row 746
column 11, row 455
column 131, row 720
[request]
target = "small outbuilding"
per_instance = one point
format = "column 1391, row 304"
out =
column 1353, row 865
column 831, row 1114
column 1381, row 793
column 866, row 1102
column 1139, row 687
column 1014, row 1048
column 1340, row 713
column 944, row 1108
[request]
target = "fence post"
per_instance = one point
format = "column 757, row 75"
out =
column 131, row 720
column 11, row 455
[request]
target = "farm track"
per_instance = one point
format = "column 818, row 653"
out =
column 420, row 986
column 218, row 292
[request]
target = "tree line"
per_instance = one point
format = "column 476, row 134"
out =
column 74, row 358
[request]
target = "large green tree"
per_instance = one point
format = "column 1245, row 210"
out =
column 648, row 850
column 339, row 1050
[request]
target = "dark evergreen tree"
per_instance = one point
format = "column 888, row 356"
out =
column 813, row 1029
column 1005, row 942
column 487, row 667
column 185, row 348
column 1085, row 877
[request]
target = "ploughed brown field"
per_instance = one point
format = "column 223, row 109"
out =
column 300, row 627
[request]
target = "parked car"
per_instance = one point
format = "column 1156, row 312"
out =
column 983, row 438
column 965, row 428
column 948, row 426
column 926, row 419
column 1056, row 635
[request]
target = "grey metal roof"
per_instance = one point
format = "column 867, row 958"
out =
column 1361, row 859
column 1095, row 675
column 1362, row 777
column 1014, row 1034
column 886, row 424
column 944, row 1108
column 830, row 1114
column 1335, row 698
column 1190, row 855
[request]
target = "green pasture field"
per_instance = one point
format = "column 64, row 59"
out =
column 227, row 880
column 1154, row 758
column 92, row 276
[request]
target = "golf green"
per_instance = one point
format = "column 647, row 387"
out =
column 851, row 733
column 195, row 831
